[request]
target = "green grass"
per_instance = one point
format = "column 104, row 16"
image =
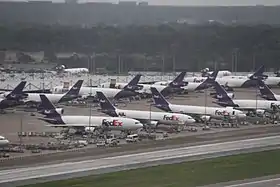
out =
column 188, row 174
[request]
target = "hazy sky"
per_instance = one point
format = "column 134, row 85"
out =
column 187, row 2
column 205, row 2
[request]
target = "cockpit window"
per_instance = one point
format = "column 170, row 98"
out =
column 137, row 122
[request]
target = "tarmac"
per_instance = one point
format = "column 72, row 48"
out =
column 12, row 123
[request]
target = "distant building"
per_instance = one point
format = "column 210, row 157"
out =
column 143, row 3
column 71, row 1
column 128, row 3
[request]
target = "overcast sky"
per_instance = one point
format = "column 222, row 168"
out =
column 186, row 2
column 205, row 2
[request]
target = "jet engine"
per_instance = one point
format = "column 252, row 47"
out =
column 205, row 118
column 260, row 112
column 49, row 112
column 153, row 124
column 89, row 129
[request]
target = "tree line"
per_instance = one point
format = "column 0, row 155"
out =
column 193, row 47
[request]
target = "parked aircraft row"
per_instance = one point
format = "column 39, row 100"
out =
column 257, row 105
column 118, row 120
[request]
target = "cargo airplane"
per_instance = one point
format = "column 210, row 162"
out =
column 112, row 93
column 256, row 105
column 12, row 98
column 3, row 141
column 53, row 116
column 198, row 112
column 266, row 92
column 146, row 117
column 34, row 98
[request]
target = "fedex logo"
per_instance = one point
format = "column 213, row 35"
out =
column 221, row 113
column 114, row 123
column 156, row 96
column 172, row 118
column 275, row 106
column 102, row 101
column 219, row 96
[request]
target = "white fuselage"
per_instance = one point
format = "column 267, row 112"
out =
column 192, row 86
column 3, row 141
column 118, row 85
column 76, row 70
column 155, row 116
column 215, row 112
column 90, row 91
column 147, row 88
column 35, row 97
column 256, row 104
column 231, row 81
column 272, row 81
column 97, row 121
column 277, row 97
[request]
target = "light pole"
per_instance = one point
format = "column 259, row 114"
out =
column 205, row 106
column 93, row 63
column 21, row 129
column 119, row 64
column 163, row 63
column 150, row 120
column 90, row 94
column 174, row 64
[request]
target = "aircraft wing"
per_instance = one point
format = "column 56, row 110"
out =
column 28, row 91
column 72, row 125
column 49, row 119
column 197, row 117
column 148, row 82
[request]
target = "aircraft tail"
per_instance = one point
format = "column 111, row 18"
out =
column 17, row 91
column 106, row 106
column 222, row 94
column 259, row 74
column 209, row 81
column 265, row 91
column 47, row 107
column 74, row 91
column 132, row 85
column 46, row 103
column 179, row 80
column 159, row 101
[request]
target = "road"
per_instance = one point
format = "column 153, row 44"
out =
column 123, row 162
column 267, row 181
column 275, row 182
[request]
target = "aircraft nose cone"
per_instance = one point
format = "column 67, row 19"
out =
column 242, row 115
column 192, row 121
column 140, row 125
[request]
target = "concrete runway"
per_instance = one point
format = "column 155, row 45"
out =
column 267, row 181
column 68, row 168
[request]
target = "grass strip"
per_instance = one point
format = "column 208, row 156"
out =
column 188, row 174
